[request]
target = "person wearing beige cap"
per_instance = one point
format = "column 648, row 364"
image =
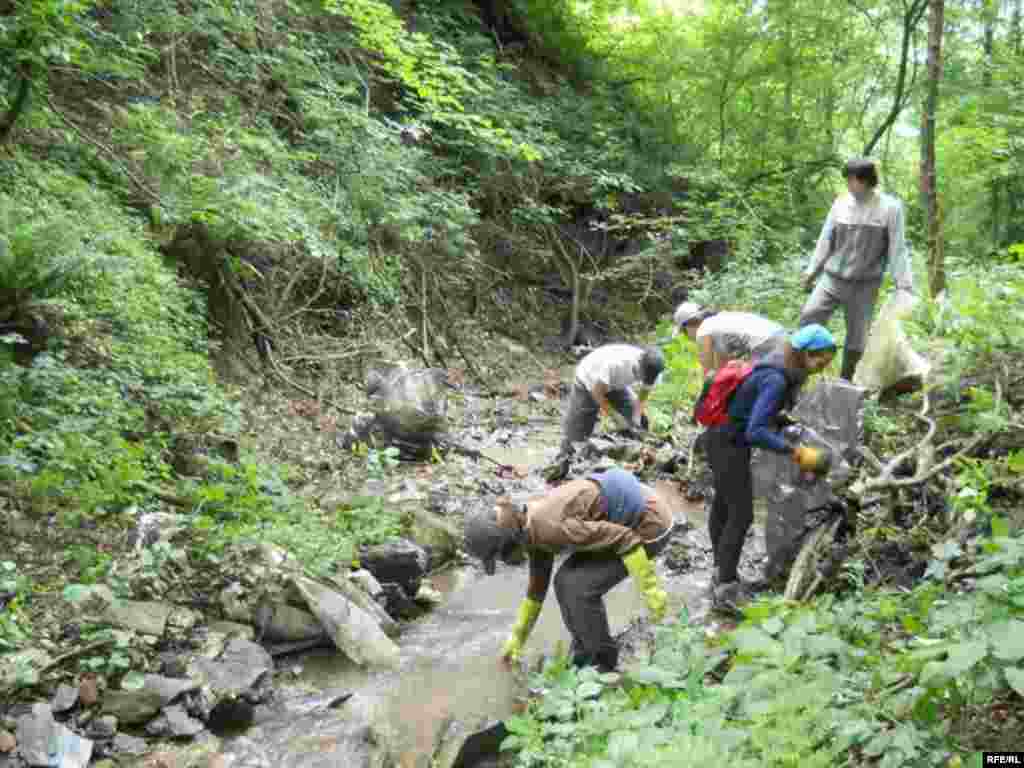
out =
column 613, row 524
column 725, row 336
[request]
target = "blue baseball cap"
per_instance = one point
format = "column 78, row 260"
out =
column 812, row 338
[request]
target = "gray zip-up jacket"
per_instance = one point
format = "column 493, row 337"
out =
column 861, row 239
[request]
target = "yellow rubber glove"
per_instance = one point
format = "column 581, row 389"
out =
column 641, row 569
column 529, row 610
column 811, row 459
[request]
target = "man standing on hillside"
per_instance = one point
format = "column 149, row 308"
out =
column 863, row 235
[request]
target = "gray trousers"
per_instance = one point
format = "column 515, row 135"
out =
column 580, row 586
column 857, row 298
column 582, row 412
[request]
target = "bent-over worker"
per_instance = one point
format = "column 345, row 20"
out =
column 604, row 379
column 613, row 524
column 725, row 336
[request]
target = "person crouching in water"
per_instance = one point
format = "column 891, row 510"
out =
column 614, row 525
column 754, row 412
column 604, row 379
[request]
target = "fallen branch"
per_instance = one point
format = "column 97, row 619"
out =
column 170, row 498
column 94, row 646
column 453, row 336
column 147, row 192
column 925, row 452
column 472, row 453
column 254, row 308
column 418, row 351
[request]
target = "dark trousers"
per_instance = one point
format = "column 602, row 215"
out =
column 732, row 511
column 580, row 586
column 582, row 412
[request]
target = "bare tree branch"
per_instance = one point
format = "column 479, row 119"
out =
column 912, row 16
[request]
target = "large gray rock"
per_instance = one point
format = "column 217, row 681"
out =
column 400, row 562
column 168, row 688
column 354, row 736
column 176, row 723
column 147, row 618
column 440, row 538
column 35, row 730
column 44, row 742
column 475, row 742
column 132, row 707
column 238, row 670
column 367, row 602
column 103, row 727
column 140, row 705
column 355, row 632
column 130, row 745
column 65, row 698
column 285, row 623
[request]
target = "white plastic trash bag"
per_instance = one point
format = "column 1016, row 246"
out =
column 889, row 359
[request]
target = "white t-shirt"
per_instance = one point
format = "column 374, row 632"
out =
column 615, row 365
column 738, row 332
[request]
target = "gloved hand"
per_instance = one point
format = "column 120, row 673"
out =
column 784, row 420
column 641, row 569
column 811, row 459
column 529, row 610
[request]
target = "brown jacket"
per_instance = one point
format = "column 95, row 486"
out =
column 572, row 517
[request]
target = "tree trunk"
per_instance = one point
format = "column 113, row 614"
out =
column 1015, row 27
column 929, row 191
column 18, row 105
column 789, row 155
column 572, row 271
column 912, row 14
column 425, row 328
column 996, row 205
column 988, row 12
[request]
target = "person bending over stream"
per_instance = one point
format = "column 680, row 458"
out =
column 605, row 379
column 613, row 524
